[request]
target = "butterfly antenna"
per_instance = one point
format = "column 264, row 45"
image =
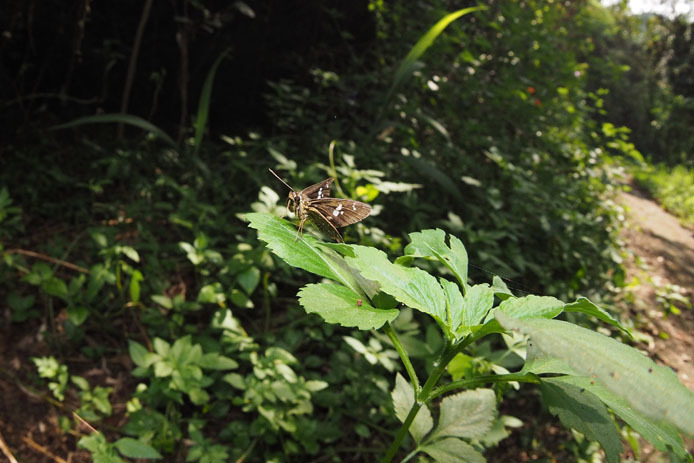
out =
column 280, row 179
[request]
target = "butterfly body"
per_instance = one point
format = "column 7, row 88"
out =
column 328, row 214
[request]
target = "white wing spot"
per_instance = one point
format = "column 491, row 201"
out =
column 339, row 207
column 320, row 192
column 336, row 212
column 354, row 207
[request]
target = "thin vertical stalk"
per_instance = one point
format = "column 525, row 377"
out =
column 392, row 335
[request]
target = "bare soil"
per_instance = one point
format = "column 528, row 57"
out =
column 662, row 254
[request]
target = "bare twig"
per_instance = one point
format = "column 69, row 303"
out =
column 132, row 65
column 39, row 448
column 26, row 252
column 84, row 422
column 6, row 450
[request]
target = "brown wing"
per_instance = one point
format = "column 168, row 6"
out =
column 318, row 190
column 324, row 225
column 341, row 212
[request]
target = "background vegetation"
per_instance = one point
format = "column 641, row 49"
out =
column 126, row 248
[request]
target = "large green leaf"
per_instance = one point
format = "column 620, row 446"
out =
column 339, row 304
column 403, row 399
column 432, row 243
column 467, row 414
column 663, row 436
column 411, row 286
column 302, row 251
column 580, row 409
column 652, row 390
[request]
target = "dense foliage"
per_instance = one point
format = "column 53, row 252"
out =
column 496, row 128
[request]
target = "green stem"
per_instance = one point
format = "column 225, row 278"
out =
column 392, row 335
column 467, row 383
column 402, row 432
column 422, row 398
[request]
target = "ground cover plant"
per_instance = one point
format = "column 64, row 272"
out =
column 144, row 319
column 672, row 187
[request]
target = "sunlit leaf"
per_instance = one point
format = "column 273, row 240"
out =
column 432, row 244
column 339, row 304
column 411, row 286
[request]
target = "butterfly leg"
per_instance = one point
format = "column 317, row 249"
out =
column 300, row 230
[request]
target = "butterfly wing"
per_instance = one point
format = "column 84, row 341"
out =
column 318, row 190
column 340, row 212
column 323, row 224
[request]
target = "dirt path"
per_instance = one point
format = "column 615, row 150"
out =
column 663, row 254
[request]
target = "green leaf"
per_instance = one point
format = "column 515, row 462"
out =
column 77, row 314
column 80, row 382
column 500, row 289
column 411, row 286
column 130, row 252
column 408, row 64
column 139, row 354
column 584, row 305
column 431, row 243
column 453, row 450
column 19, row 303
column 454, row 301
column 476, row 304
column 249, row 279
column 403, row 400
column 212, row 294
column 663, row 436
column 133, row 448
column 302, row 252
column 94, row 443
column 531, row 307
column 162, row 300
column 120, row 118
column 239, row 299
column 580, row 409
column 55, row 287
column 652, row 390
column 215, row 361
column 339, row 304
column 161, row 347
column 466, row 414
column 135, row 280
column 236, row 380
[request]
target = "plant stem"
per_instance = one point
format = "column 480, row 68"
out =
column 402, row 432
column 467, row 383
column 392, row 335
column 421, row 398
